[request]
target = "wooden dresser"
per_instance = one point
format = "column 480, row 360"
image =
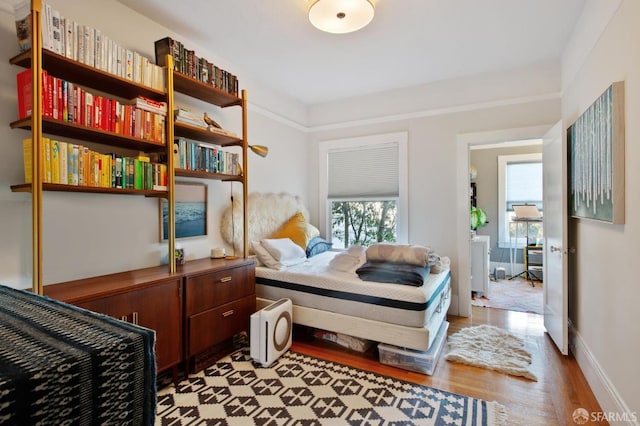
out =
column 195, row 312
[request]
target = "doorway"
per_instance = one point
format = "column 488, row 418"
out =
column 503, row 175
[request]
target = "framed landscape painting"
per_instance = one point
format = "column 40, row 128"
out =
column 191, row 211
column 596, row 159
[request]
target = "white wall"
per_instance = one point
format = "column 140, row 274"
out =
column 604, row 286
column 88, row 234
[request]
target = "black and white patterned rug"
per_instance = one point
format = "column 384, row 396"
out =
column 302, row 390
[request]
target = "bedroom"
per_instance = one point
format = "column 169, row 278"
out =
column 601, row 51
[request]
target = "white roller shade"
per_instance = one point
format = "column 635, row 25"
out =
column 368, row 171
column 524, row 184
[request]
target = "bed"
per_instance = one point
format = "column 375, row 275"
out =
column 340, row 301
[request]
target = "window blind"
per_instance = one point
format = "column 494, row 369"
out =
column 367, row 171
column 524, row 184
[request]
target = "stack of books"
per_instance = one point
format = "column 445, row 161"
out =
column 182, row 115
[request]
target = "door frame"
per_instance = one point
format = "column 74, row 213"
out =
column 464, row 140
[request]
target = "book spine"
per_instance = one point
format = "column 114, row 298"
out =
column 56, row 31
column 24, row 86
column 69, row 38
column 55, row 161
column 73, row 150
column 63, row 156
column 27, row 147
column 47, row 27
column 22, row 13
column 47, row 159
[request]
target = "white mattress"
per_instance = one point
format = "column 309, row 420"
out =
column 312, row 284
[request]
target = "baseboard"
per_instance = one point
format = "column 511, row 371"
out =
column 610, row 401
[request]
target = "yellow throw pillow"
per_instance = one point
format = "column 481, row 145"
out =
column 298, row 230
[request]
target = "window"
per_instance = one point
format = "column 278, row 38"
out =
column 363, row 189
column 519, row 182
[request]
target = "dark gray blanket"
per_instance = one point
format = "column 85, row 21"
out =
column 60, row 364
column 396, row 273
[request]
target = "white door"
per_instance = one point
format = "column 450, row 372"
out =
column 555, row 260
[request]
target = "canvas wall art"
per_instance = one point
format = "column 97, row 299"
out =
column 596, row 159
column 191, row 211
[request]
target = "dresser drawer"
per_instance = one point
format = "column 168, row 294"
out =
column 215, row 325
column 217, row 288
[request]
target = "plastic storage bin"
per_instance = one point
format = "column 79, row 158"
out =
column 409, row 359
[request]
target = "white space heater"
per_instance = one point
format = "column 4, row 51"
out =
column 271, row 332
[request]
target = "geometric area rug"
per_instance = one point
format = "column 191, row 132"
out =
column 302, row 390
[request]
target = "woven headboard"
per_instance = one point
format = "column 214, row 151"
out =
column 266, row 213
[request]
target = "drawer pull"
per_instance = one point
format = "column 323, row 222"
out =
column 228, row 313
column 135, row 318
column 124, row 318
column 225, row 279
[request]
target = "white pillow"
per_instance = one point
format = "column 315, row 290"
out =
column 284, row 250
column 268, row 260
column 264, row 256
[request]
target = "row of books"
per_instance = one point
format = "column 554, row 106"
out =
column 140, row 118
column 87, row 45
column 73, row 164
column 186, row 62
column 191, row 155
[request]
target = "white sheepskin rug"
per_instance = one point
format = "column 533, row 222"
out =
column 491, row 347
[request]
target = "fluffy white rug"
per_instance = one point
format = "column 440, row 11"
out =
column 490, row 347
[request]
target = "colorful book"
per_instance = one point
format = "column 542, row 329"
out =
column 55, row 161
column 27, row 147
column 22, row 13
column 63, row 156
column 47, row 160
column 24, row 86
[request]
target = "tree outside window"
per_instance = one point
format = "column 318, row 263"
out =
column 363, row 222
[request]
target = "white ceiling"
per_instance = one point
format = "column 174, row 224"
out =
column 408, row 43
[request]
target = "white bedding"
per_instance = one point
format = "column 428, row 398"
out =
column 313, row 284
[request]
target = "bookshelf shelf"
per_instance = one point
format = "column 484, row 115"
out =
column 203, row 135
column 77, row 131
column 85, row 75
column 206, row 175
column 196, row 89
column 27, row 187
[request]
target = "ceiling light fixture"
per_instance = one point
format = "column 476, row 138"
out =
column 341, row 16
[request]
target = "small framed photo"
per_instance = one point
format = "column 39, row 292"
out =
column 191, row 211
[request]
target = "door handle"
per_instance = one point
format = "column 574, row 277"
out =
column 554, row 249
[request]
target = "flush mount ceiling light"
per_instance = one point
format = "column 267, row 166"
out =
column 341, row 16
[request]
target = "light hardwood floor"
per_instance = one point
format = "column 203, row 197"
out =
column 561, row 387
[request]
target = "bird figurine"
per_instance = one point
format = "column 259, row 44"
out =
column 210, row 121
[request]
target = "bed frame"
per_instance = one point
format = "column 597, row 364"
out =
column 418, row 338
column 266, row 213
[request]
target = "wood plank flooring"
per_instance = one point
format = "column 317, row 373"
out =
column 561, row 386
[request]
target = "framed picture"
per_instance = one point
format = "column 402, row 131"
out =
column 596, row 159
column 191, row 211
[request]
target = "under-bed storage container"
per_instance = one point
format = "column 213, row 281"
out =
column 409, row 359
